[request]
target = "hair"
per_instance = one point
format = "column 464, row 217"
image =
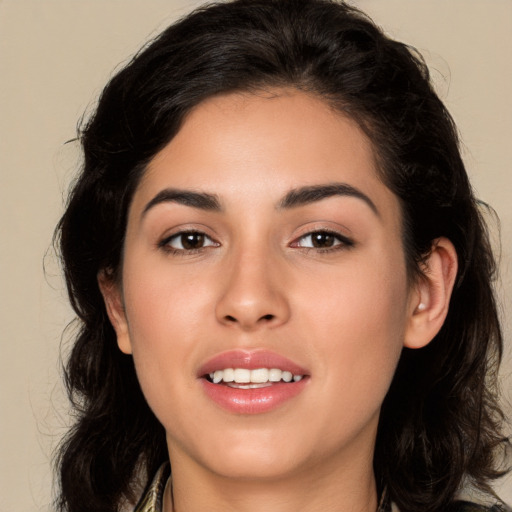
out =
column 440, row 422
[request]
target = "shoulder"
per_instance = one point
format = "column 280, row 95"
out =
column 467, row 506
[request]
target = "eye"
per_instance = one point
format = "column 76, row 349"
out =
column 188, row 241
column 322, row 240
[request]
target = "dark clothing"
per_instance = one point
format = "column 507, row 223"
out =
column 152, row 500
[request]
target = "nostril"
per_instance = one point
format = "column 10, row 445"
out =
column 264, row 318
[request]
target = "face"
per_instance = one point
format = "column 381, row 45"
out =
column 262, row 247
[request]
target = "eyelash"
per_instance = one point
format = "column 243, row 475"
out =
column 342, row 242
column 165, row 243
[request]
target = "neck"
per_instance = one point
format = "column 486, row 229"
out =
column 328, row 489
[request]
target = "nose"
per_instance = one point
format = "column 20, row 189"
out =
column 254, row 295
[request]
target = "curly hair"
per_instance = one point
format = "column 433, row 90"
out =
column 440, row 422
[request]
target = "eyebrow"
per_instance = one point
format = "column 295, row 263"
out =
column 200, row 200
column 311, row 194
column 293, row 199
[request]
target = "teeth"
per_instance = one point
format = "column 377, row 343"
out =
column 241, row 375
column 258, row 376
column 249, row 386
column 274, row 375
column 287, row 376
column 228, row 375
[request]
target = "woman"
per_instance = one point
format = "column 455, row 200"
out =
column 283, row 278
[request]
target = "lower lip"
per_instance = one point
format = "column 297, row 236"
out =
column 252, row 401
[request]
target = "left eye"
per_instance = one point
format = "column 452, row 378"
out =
column 321, row 240
column 188, row 241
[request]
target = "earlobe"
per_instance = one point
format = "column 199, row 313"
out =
column 112, row 296
column 430, row 298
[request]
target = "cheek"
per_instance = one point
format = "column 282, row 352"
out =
column 164, row 302
column 369, row 294
column 166, row 313
column 358, row 321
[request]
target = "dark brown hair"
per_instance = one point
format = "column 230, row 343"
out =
column 440, row 420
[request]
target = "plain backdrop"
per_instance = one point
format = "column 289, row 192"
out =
column 55, row 56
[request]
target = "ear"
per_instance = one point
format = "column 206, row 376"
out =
column 113, row 298
column 430, row 297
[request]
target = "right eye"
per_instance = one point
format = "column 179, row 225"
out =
column 323, row 241
column 188, row 241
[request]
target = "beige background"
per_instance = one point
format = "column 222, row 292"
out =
column 54, row 58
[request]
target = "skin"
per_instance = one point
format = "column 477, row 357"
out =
column 343, row 311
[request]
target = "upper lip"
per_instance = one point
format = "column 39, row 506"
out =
column 251, row 360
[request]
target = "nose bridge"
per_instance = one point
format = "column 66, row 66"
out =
column 254, row 294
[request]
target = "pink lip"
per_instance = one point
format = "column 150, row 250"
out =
column 250, row 360
column 252, row 401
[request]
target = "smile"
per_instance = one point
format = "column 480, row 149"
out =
column 252, row 382
column 242, row 378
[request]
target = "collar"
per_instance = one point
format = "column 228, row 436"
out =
column 153, row 499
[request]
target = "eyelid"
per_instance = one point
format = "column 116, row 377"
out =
column 176, row 236
column 186, row 227
column 164, row 241
column 334, row 228
column 344, row 240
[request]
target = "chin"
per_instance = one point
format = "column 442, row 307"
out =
column 258, row 464
column 249, row 454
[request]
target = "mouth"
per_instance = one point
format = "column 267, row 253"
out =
column 243, row 378
column 252, row 382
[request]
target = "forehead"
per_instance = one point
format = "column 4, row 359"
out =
column 241, row 144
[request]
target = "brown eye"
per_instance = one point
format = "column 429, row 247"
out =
column 322, row 240
column 319, row 240
column 192, row 240
column 188, row 241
